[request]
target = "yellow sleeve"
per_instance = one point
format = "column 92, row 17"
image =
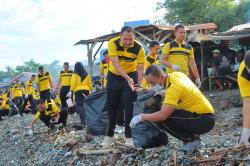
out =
column 112, row 50
column 166, row 48
column 90, row 84
column 172, row 95
column 141, row 56
column 191, row 55
column 73, row 82
column 101, row 66
column 37, row 115
column 37, row 79
column 26, row 85
column 55, row 108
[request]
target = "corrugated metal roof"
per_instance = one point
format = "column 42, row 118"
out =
column 147, row 30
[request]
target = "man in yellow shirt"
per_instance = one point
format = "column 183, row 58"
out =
column 185, row 114
column 178, row 55
column 4, row 107
column 80, row 86
column 104, row 68
column 126, row 69
column 44, row 85
column 152, row 58
column 49, row 117
column 29, row 94
column 17, row 93
column 244, row 86
column 64, row 82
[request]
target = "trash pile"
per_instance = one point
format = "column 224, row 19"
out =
column 73, row 146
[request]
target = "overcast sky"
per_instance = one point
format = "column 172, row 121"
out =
column 46, row 30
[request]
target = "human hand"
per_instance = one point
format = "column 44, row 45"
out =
column 135, row 120
column 26, row 96
column 131, row 83
column 244, row 139
column 69, row 94
column 198, row 82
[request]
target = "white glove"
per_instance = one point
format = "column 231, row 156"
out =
column 161, row 93
column 244, row 139
column 135, row 120
column 26, row 96
column 198, row 82
column 69, row 94
column 29, row 131
column 176, row 67
column 53, row 120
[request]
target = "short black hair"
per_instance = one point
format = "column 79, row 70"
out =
column 247, row 59
column 33, row 75
column 105, row 52
column 154, row 70
column 178, row 26
column 127, row 29
column 40, row 68
column 66, row 63
column 154, row 43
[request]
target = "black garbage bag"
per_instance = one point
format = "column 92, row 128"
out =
column 13, row 108
column 96, row 113
column 148, row 134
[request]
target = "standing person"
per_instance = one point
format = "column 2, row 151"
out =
column 185, row 114
column 18, row 95
column 126, row 69
column 64, row 83
column 29, row 94
column 221, row 67
column 178, row 55
column 152, row 58
column 80, row 86
column 104, row 68
column 44, row 85
column 244, row 86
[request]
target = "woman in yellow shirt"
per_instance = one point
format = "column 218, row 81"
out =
column 81, row 86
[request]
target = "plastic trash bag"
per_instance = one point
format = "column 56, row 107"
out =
column 96, row 113
column 148, row 134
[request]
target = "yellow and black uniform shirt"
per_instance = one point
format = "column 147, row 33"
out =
column 181, row 93
column 4, row 96
column 128, row 58
column 4, row 105
column 44, row 81
column 65, row 78
column 149, row 60
column 47, row 112
column 29, row 87
column 244, row 80
column 77, row 84
column 104, row 66
column 34, row 93
column 11, row 90
column 17, row 90
column 178, row 54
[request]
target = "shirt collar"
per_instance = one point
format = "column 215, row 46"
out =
column 183, row 42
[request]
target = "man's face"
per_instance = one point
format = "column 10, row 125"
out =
column 127, row 39
column 41, row 72
column 155, row 50
column 41, row 107
column 66, row 67
column 106, row 56
column 33, row 78
column 180, row 34
column 152, row 80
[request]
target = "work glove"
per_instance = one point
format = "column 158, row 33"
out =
column 198, row 82
column 135, row 120
column 176, row 67
column 26, row 96
column 29, row 131
column 69, row 94
column 244, row 139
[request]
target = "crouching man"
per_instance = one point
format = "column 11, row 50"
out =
column 49, row 117
column 185, row 114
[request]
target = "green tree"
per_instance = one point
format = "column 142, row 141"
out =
column 224, row 13
column 54, row 69
column 29, row 66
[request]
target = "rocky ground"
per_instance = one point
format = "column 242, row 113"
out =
column 74, row 147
